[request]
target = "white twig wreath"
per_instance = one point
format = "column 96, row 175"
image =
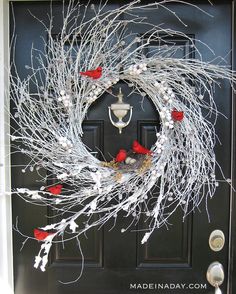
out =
column 73, row 71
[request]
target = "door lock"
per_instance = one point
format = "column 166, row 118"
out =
column 215, row 275
column 216, row 240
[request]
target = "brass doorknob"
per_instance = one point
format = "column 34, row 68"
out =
column 215, row 275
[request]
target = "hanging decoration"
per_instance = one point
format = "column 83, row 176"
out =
column 180, row 166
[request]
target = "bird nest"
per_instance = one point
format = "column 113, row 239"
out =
column 142, row 163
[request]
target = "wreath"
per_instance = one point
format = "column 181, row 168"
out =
column 76, row 69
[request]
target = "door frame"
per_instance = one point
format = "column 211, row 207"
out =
column 6, row 252
column 231, row 289
column 6, row 248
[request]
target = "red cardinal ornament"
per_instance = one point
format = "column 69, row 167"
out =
column 55, row 190
column 121, row 156
column 137, row 148
column 177, row 115
column 41, row 235
column 94, row 74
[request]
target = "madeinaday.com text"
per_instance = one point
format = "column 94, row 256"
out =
column 167, row 286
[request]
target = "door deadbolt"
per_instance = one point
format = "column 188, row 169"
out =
column 216, row 240
column 215, row 275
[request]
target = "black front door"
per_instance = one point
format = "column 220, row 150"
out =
column 116, row 262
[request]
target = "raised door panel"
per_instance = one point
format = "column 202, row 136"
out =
column 92, row 243
column 155, row 253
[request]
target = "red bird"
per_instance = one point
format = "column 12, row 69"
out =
column 41, row 235
column 94, row 74
column 177, row 115
column 137, row 148
column 55, row 190
column 121, row 156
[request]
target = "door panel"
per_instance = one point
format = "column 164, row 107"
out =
column 177, row 254
column 114, row 260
